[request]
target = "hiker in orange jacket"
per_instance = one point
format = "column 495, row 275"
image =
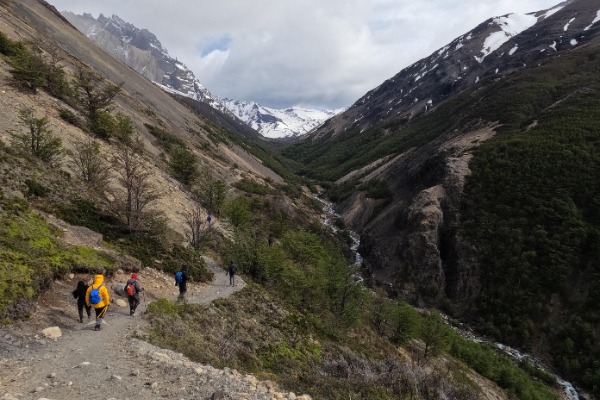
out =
column 97, row 296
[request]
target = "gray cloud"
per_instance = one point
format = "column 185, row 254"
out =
column 306, row 52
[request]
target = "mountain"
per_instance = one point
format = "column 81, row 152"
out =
column 103, row 172
column 471, row 178
column 495, row 48
column 275, row 123
column 141, row 50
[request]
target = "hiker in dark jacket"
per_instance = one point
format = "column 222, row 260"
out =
column 134, row 300
column 79, row 294
column 183, row 284
column 231, row 270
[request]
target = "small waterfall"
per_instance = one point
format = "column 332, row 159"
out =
column 569, row 390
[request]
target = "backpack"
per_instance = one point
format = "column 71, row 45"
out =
column 95, row 295
column 178, row 278
column 130, row 290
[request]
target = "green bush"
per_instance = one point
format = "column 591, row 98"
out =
column 31, row 257
column 165, row 139
column 183, row 164
column 70, row 117
column 251, row 186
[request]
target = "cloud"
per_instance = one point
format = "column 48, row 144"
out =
column 309, row 52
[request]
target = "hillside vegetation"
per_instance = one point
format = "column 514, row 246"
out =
column 532, row 209
column 305, row 320
column 530, row 206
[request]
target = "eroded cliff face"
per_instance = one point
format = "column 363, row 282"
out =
column 411, row 245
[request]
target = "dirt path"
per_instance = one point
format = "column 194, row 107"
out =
column 111, row 364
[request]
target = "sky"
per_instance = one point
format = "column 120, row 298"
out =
column 321, row 54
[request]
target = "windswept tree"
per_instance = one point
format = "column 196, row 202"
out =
column 95, row 95
column 39, row 140
column 28, row 68
column 130, row 201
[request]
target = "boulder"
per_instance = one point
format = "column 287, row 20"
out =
column 121, row 303
column 52, row 332
column 119, row 288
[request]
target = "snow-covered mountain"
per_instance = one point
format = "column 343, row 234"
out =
column 141, row 50
column 274, row 123
column 492, row 50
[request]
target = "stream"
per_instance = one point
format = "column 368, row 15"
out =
column 570, row 393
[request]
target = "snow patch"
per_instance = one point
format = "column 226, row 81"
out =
column 513, row 50
column 510, row 26
column 573, row 42
column 551, row 11
column 593, row 22
column 553, row 46
column 568, row 23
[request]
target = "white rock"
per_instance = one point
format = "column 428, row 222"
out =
column 52, row 332
column 121, row 303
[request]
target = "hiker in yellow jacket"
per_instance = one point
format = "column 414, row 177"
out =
column 97, row 296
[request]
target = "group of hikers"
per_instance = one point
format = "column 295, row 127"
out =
column 96, row 295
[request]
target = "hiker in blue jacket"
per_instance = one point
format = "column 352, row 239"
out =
column 181, row 279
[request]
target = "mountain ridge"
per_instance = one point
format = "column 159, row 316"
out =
column 140, row 49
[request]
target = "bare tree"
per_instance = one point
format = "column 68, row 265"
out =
column 90, row 166
column 135, row 193
column 195, row 221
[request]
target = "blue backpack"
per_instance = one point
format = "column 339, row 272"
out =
column 178, row 278
column 95, row 297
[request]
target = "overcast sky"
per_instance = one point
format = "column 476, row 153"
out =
column 314, row 53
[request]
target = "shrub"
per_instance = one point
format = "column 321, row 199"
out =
column 183, row 164
column 39, row 141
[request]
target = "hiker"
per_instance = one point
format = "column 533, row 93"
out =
column 97, row 296
column 181, row 279
column 133, row 290
column 231, row 270
column 79, row 294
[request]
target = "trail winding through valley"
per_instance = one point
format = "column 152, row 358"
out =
column 112, row 363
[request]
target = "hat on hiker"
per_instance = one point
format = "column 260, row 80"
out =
column 134, row 275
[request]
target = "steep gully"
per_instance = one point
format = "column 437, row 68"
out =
column 570, row 393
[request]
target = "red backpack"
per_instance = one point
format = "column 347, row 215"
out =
column 130, row 289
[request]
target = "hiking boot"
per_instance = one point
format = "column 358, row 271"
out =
column 97, row 327
column 81, row 320
column 132, row 313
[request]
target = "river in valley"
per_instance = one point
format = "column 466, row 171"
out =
column 570, row 393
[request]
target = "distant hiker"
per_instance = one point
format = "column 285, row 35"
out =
column 181, row 279
column 79, row 294
column 97, row 296
column 209, row 218
column 133, row 290
column 231, row 270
